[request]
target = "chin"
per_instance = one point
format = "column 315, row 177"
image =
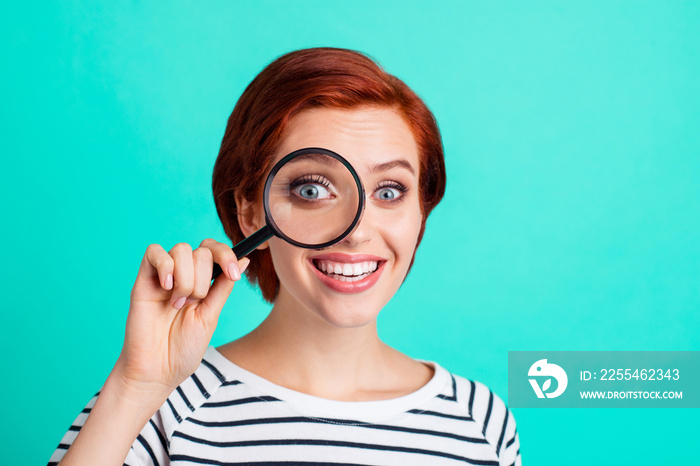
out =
column 350, row 310
column 348, row 316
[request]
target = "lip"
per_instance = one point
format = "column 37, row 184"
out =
column 350, row 258
column 348, row 287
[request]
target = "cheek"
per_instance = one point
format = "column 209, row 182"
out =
column 284, row 258
column 402, row 229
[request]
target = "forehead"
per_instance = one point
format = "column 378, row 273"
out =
column 366, row 136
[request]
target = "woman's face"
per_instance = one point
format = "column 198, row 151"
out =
column 348, row 284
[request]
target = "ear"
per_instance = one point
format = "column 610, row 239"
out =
column 250, row 217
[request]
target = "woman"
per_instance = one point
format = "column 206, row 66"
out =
column 313, row 384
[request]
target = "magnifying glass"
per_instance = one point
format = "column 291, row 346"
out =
column 313, row 198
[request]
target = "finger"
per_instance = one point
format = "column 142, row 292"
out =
column 210, row 309
column 224, row 256
column 203, row 262
column 183, row 274
column 217, row 297
column 157, row 265
column 218, row 294
column 243, row 264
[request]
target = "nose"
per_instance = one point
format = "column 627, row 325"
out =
column 365, row 230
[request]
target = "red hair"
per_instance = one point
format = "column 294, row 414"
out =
column 325, row 77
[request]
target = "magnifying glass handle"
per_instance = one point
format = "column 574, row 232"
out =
column 246, row 246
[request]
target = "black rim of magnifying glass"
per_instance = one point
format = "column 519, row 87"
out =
column 268, row 185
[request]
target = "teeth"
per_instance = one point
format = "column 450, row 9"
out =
column 345, row 271
column 343, row 278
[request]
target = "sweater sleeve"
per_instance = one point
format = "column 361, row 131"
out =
column 498, row 425
column 149, row 449
column 509, row 455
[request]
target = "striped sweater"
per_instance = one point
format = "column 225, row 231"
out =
column 225, row 415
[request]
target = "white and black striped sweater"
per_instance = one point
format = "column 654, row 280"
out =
column 225, row 415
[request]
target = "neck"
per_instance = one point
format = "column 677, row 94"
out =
column 298, row 349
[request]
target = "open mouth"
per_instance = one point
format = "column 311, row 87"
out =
column 346, row 272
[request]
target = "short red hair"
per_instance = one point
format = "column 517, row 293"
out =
column 325, row 77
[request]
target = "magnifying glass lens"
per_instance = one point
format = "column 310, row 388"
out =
column 313, row 199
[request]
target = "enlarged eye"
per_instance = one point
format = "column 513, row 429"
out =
column 312, row 191
column 312, row 188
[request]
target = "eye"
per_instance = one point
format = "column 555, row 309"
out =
column 312, row 191
column 311, row 188
column 388, row 194
column 390, row 191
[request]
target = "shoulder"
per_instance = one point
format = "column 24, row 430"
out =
column 198, row 389
column 492, row 416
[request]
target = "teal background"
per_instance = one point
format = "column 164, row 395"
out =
column 570, row 220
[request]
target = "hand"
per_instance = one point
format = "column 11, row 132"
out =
column 173, row 312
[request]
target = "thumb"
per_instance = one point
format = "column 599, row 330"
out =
column 218, row 294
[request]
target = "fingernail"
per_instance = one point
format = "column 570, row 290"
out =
column 233, row 271
column 169, row 282
column 179, row 303
column 243, row 267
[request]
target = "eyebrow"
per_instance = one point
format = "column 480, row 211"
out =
column 402, row 163
column 315, row 157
